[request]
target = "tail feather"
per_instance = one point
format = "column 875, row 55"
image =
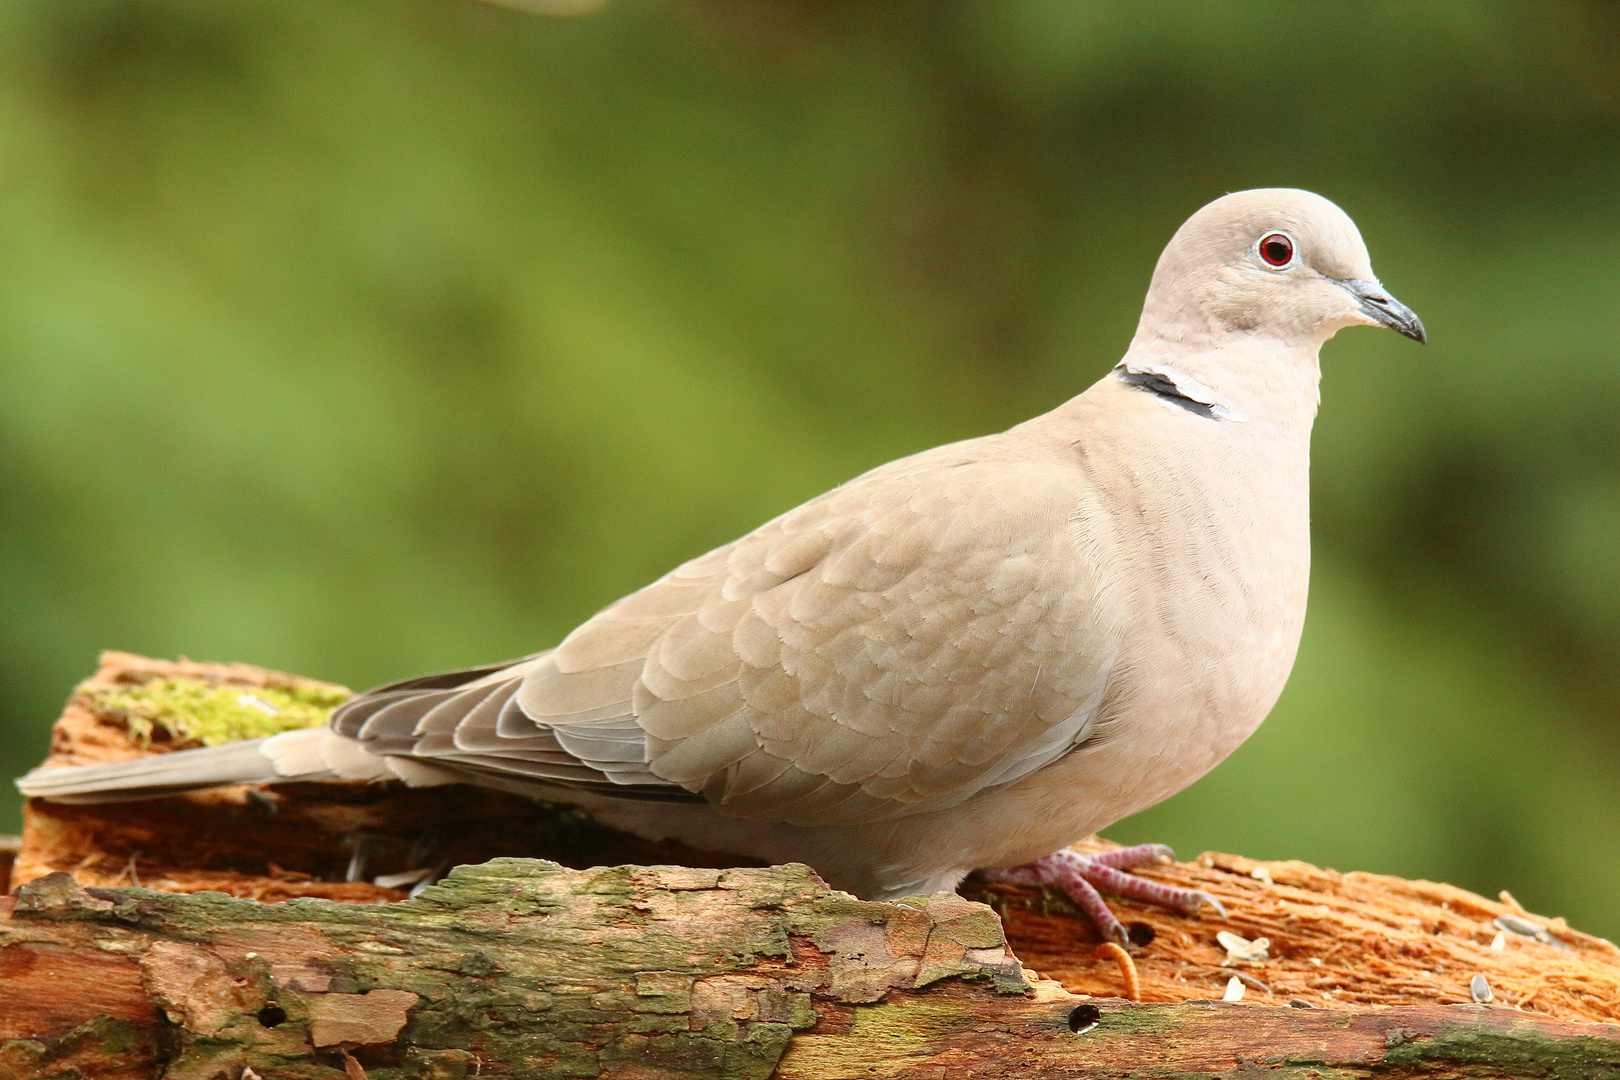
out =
column 152, row 777
column 350, row 747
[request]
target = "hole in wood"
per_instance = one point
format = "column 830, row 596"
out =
column 271, row 1015
column 1140, row 934
column 1084, row 1018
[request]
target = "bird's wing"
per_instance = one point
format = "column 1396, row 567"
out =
column 925, row 632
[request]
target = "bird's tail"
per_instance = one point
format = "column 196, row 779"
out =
column 250, row 761
column 333, row 751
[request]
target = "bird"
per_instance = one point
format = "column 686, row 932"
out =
column 964, row 660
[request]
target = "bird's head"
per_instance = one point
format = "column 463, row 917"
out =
column 1277, row 263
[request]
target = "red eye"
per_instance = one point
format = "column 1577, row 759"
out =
column 1276, row 249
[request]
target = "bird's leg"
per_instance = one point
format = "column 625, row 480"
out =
column 361, row 846
column 1081, row 876
column 426, row 844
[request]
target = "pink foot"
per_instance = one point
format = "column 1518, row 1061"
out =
column 1080, row 876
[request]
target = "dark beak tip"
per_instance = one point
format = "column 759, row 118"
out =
column 1385, row 310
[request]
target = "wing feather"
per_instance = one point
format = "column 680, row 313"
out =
column 898, row 645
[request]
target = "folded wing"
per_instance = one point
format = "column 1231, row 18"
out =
column 921, row 634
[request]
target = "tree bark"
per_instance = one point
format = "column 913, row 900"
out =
column 524, row 967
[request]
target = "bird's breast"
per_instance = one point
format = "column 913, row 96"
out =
column 1215, row 546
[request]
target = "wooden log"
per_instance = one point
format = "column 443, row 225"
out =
column 524, row 967
column 9, row 847
column 527, row 969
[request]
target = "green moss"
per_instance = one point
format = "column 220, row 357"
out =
column 83, row 1051
column 1157, row 1021
column 1522, row 1053
column 190, row 710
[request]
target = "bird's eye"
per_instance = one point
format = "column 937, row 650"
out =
column 1277, row 249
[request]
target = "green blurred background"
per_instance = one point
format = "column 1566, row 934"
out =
column 367, row 337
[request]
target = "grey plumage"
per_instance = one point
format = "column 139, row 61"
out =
column 163, row 774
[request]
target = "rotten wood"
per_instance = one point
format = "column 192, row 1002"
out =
column 521, row 967
column 9, row 847
column 525, row 968
column 1335, row 940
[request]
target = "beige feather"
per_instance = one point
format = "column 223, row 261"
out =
column 971, row 656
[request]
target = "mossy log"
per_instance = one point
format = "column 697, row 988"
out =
column 524, row 967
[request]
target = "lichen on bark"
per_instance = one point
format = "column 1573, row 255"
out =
column 523, row 968
column 531, row 968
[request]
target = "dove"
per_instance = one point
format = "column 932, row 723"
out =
column 966, row 659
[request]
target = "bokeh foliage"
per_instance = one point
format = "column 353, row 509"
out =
column 363, row 337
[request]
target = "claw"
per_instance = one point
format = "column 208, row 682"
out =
column 1140, row 855
column 360, row 846
column 432, row 877
column 1080, row 876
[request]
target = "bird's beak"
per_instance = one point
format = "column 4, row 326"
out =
column 1385, row 310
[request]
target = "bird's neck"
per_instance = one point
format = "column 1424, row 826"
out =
column 1241, row 378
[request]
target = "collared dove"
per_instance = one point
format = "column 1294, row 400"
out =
column 968, row 658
